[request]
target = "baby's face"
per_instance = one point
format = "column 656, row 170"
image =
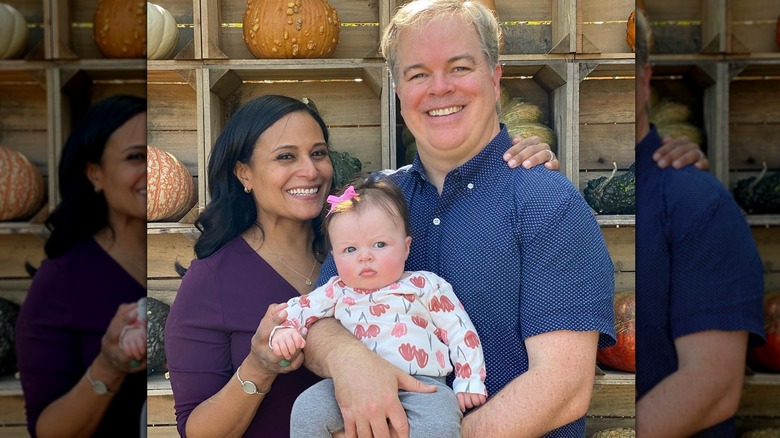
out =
column 369, row 247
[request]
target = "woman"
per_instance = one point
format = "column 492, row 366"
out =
column 76, row 379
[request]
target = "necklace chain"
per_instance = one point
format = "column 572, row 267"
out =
column 308, row 279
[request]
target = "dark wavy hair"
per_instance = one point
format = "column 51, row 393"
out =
column 231, row 211
column 82, row 212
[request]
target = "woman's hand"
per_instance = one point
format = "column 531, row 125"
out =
column 263, row 355
column 112, row 354
column 680, row 152
column 531, row 152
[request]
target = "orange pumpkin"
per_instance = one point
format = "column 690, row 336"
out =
column 622, row 355
column 22, row 190
column 291, row 28
column 119, row 28
column 631, row 31
column 170, row 191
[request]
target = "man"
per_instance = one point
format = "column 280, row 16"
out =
column 699, row 288
column 520, row 247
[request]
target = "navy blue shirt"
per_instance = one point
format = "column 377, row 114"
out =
column 521, row 249
column 697, row 266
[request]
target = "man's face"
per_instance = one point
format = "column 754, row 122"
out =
column 447, row 90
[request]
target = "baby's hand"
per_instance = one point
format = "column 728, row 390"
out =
column 468, row 400
column 286, row 341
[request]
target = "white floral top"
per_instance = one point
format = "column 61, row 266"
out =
column 415, row 323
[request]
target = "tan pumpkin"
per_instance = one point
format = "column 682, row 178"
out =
column 631, row 31
column 13, row 32
column 162, row 35
column 22, row 190
column 291, row 28
column 119, row 28
column 170, row 191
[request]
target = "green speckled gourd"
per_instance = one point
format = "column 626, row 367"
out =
column 613, row 194
column 9, row 311
column 157, row 314
column 759, row 195
column 345, row 167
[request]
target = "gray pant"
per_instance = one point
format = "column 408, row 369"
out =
column 316, row 413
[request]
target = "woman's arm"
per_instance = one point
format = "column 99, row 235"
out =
column 79, row 411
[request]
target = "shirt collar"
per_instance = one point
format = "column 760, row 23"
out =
column 490, row 155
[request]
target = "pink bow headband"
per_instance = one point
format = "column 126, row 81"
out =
column 339, row 203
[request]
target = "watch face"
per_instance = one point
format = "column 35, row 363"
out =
column 99, row 387
column 249, row 387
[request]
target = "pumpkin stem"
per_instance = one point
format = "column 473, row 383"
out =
column 760, row 176
column 604, row 183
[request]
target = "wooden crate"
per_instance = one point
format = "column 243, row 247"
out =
column 677, row 26
column 175, row 124
column 222, row 28
column 601, row 27
column 752, row 27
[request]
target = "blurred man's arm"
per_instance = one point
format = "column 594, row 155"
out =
column 703, row 392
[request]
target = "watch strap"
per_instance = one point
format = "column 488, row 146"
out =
column 245, row 384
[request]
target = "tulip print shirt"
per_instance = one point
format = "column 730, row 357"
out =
column 416, row 323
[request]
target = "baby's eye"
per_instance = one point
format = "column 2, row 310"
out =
column 349, row 249
column 380, row 244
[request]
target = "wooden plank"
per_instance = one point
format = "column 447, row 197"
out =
column 760, row 396
column 768, row 244
column 620, row 244
column 613, row 395
column 159, row 410
column 162, row 432
column 607, row 101
column 603, row 24
column 15, row 250
column 753, row 24
column 23, row 106
column 11, row 411
column 172, row 106
column 182, row 144
column 751, row 145
column 14, row 432
column 754, row 102
column 14, row 290
column 601, row 145
column 163, row 250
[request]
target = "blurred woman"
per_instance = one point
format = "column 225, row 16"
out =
column 76, row 379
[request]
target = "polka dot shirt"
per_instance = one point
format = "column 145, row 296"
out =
column 521, row 249
column 698, row 267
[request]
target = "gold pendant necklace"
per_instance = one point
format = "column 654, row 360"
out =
column 308, row 279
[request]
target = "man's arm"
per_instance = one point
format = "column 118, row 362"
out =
column 555, row 390
column 366, row 384
column 706, row 387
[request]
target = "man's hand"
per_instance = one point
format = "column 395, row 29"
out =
column 367, row 393
column 531, row 152
column 680, row 152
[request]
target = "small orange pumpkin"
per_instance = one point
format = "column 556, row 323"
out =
column 119, row 28
column 622, row 356
column 291, row 28
column 170, row 191
column 631, row 31
column 22, row 190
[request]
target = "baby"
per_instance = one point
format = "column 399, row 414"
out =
column 132, row 340
column 412, row 319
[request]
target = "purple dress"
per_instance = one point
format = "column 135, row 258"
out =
column 217, row 310
column 68, row 308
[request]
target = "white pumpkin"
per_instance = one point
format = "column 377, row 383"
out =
column 13, row 32
column 162, row 35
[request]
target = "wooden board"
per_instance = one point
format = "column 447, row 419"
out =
column 23, row 118
column 603, row 26
column 11, row 412
column 173, row 122
column 620, row 243
column 768, row 244
column 163, row 250
column 15, row 250
column 753, row 25
column 677, row 26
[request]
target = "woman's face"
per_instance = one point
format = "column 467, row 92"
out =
column 290, row 172
column 121, row 174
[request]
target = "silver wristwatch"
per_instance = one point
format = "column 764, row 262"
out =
column 98, row 386
column 249, row 386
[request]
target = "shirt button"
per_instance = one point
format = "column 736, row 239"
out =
column 436, row 221
column 470, row 185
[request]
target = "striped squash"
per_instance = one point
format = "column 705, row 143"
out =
column 22, row 190
column 170, row 191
